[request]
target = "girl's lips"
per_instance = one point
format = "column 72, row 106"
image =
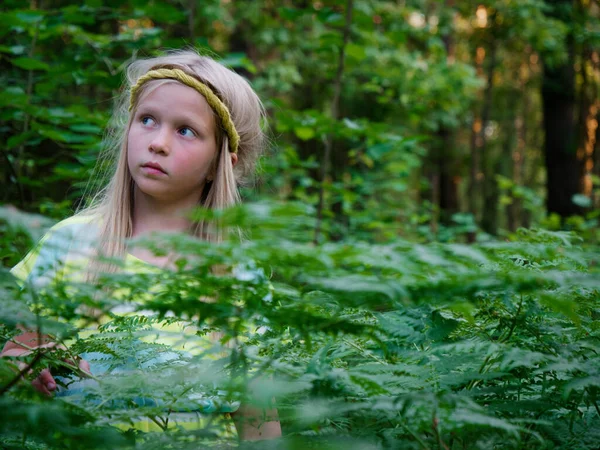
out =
column 153, row 169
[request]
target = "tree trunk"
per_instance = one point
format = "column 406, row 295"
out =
column 448, row 188
column 515, row 210
column 507, row 161
column 596, row 159
column 489, row 188
column 446, row 181
column 563, row 170
column 192, row 20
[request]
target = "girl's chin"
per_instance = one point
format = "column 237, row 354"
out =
column 161, row 194
column 151, row 190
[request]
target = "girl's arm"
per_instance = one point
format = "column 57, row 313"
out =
column 255, row 424
column 29, row 339
column 45, row 382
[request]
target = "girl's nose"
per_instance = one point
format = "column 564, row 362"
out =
column 161, row 143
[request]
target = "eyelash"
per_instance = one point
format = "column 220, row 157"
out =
column 143, row 121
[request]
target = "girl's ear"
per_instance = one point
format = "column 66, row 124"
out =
column 234, row 159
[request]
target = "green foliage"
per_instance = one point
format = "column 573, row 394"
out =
column 19, row 232
column 396, row 345
column 410, row 73
column 394, row 335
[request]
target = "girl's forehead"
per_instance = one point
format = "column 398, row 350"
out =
column 173, row 96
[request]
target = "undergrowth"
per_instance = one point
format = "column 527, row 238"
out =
column 402, row 345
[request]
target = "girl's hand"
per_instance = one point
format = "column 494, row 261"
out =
column 254, row 424
column 45, row 382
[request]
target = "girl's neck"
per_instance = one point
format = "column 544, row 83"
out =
column 152, row 215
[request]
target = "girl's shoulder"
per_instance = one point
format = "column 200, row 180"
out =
column 76, row 231
column 71, row 228
column 63, row 241
column 76, row 220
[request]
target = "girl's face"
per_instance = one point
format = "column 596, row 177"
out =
column 171, row 144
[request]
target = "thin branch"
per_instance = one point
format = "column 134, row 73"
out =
column 436, row 432
column 155, row 420
column 191, row 19
column 29, row 91
column 414, row 435
column 514, row 322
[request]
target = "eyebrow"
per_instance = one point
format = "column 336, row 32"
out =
column 192, row 119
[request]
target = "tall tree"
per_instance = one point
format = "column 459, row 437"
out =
column 446, row 171
column 563, row 169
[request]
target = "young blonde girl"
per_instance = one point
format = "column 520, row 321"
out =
column 186, row 132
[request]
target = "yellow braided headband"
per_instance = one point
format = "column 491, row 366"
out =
column 215, row 102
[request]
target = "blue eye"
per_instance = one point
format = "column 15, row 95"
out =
column 147, row 121
column 187, row 132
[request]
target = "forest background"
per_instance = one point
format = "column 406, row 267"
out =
column 436, row 160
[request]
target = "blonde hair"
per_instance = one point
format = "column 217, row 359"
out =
column 114, row 202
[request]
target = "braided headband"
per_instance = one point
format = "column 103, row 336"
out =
column 215, row 102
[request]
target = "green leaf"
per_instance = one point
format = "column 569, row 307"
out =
column 30, row 16
column 30, row 63
column 355, row 51
column 582, row 200
column 15, row 49
column 18, row 139
column 351, row 124
column 86, row 128
column 60, row 135
column 582, row 383
column 480, row 420
column 304, row 133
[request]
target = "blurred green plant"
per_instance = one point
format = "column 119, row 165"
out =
column 385, row 346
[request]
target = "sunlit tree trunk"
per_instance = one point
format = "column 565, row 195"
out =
column 515, row 210
column 595, row 127
column 589, row 98
column 596, row 160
